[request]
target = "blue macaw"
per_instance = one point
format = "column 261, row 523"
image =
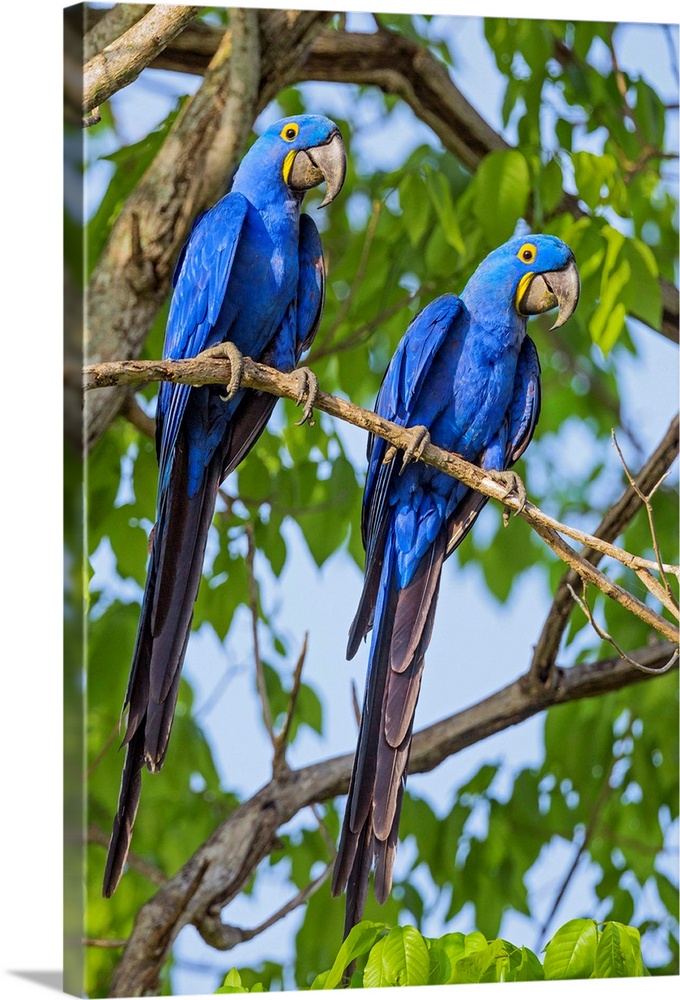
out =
column 467, row 377
column 251, row 278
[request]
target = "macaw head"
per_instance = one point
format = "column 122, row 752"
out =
column 300, row 152
column 535, row 273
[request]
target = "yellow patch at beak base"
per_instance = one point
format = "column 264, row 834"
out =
column 287, row 165
column 524, row 283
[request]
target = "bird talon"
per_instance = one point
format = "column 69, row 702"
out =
column 513, row 484
column 230, row 352
column 308, row 391
column 420, row 438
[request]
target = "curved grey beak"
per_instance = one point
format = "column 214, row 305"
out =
column 553, row 288
column 320, row 163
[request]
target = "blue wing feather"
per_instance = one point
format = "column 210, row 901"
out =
column 397, row 400
column 526, row 402
column 311, row 291
column 201, row 281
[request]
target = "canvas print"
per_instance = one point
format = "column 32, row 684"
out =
column 374, row 442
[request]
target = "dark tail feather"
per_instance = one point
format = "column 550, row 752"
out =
column 165, row 622
column 128, row 801
column 371, row 823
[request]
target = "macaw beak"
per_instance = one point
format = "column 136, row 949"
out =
column 320, row 163
column 549, row 289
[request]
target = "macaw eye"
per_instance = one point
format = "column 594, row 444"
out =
column 527, row 253
column 289, row 132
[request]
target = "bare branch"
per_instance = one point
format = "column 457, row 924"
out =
column 646, row 500
column 281, row 741
column 226, row 936
column 104, row 942
column 205, row 370
column 110, row 26
column 121, row 61
column 221, row 867
column 605, row 793
column 600, row 632
column 617, row 518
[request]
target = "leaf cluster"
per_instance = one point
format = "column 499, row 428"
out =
column 381, row 955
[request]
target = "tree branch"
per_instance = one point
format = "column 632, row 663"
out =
column 110, row 26
column 204, row 371
column 220, row 868
column 615, row 521
column 121, row 61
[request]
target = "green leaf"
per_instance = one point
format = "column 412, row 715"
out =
column 358, row 942
column 232, row 983
column 501, row 189
column 400, row 959
column 415, row 207
column 571, row 952
column 618, row 952
column 442, row 199
column 593, row 175
column 551, row 185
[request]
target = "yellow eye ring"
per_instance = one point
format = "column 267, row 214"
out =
column 527, row 253
column 290, row 131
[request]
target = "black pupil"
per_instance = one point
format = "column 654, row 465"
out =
column 290, row 133
column 527, row 254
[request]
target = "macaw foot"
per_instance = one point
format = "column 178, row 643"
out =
column 229, row 351
column 513, row 484
column 420, row 438
column 308, row 390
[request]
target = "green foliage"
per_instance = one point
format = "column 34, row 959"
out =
column 401, row 956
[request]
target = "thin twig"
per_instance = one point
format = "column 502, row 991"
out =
column 227, row 936
column 588, row 573
column 600, row 632
column 356, row 707
column 95, row 835
column 617, row 518
column 254, row 617
column 281, row 741
column 646, row 500
column 324, row 831
column 605, row 792
column 104, row 942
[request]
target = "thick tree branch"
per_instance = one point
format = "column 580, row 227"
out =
column 121, row 61
column 109, row 27
column 204, row 371
column 220, row 868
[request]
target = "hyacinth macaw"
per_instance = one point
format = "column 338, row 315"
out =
column 251, row 276
column 467, row 377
